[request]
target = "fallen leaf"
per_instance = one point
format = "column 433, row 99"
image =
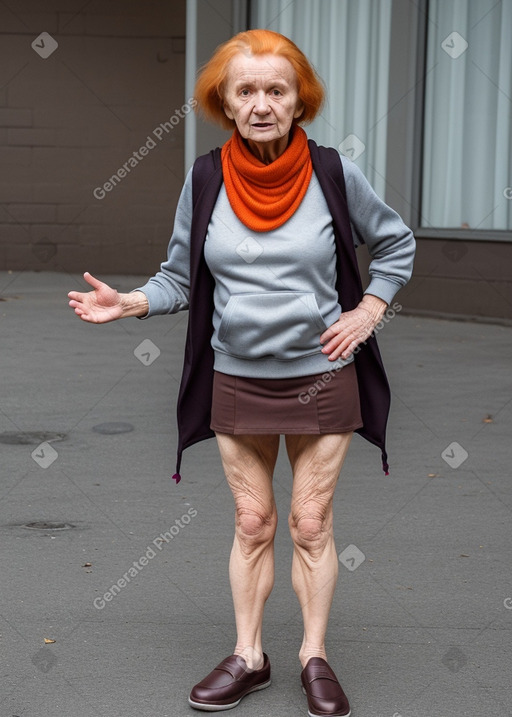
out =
column 488, row 419
column 87, row 565
column 48, row 641
column 463, row 555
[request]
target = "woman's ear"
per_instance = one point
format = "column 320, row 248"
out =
column 227, row 110
column 298, row 110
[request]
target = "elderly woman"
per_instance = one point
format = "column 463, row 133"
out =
column 280, row 337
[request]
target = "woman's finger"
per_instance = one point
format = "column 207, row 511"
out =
column 75, row 297
column 335, row 334
column 95, row 283
column 343, row 339
column 337, row 346
column 92, row 281
column 331, row 332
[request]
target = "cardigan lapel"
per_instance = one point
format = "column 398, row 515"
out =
column 195, row 395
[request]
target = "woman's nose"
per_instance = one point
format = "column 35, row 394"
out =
column 261, row 103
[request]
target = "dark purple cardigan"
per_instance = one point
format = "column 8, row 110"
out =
column 195, row 395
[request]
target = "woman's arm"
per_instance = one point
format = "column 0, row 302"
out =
column 391, row 245
column 167, row 291
column 390, row 242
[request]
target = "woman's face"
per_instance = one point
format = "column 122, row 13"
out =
column 261, row 96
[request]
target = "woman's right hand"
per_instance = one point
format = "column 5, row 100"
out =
column 99, row 306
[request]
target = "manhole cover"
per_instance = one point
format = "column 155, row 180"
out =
column 47, row 525
column 30, row 438
column 112, row 428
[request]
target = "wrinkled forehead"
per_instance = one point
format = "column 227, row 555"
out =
column 258, row 69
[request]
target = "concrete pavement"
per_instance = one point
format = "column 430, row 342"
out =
column 126, row 572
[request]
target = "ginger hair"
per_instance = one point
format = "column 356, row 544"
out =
column 212, row 77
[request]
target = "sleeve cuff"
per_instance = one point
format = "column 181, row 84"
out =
column 383, row 288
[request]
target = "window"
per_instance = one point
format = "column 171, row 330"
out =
column 467, row 147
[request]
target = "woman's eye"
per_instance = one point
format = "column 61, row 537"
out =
column 276, row 93
column 245, row 93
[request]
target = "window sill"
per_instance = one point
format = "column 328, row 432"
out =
column 497, row 235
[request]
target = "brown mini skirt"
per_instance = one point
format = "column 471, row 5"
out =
column 321, row 403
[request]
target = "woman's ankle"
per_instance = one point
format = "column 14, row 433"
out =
column 252, row 656
column 306, row 653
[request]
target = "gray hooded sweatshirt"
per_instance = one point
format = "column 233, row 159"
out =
column 275, row 291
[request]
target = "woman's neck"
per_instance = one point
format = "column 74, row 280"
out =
column 268, row 152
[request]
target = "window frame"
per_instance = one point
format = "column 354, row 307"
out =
column 410, row 19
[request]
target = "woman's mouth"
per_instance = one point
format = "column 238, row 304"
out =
column 262, row 125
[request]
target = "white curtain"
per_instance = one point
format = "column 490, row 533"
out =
column 467, row 163
column 348, row 43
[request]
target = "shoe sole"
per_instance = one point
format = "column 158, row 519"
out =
column 220, row 708
column 312, row 714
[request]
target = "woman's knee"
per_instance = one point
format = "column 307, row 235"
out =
column 255, row 525
column 255, row 510
column 311, row 527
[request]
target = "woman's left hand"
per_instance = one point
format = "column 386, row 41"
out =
column 352, row 328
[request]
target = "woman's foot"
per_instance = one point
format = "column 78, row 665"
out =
column 228, row 683
column 325, row 695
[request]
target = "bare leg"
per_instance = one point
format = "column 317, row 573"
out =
column 316, row 462
column 249, row 465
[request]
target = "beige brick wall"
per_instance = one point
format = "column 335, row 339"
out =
column 69, row 122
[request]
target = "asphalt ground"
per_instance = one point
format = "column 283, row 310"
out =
column 422, row 616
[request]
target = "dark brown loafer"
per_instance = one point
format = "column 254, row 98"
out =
column 324, row 693
column 225, row 686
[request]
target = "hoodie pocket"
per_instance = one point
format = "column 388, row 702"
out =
column 282, row 324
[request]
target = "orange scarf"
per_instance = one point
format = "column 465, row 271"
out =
column 264, row 196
